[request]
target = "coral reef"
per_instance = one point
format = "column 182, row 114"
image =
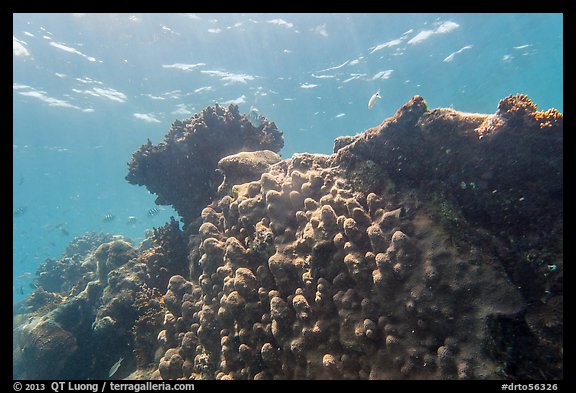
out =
column 59, row 275
column 113, row 310
column 46, row 345
column 110, row 256
column 348, row 287
column 79, row 333
column 81, row 246
column 69, row 273
column 428, row 247
column 166, row 256
column 181, row 169
column 421, row 287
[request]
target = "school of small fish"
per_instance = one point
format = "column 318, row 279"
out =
column 153, row 211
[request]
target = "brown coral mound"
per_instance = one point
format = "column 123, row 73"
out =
column 347, row 287
column 180, row 170
column 390, row 259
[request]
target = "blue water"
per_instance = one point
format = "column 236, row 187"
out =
column 89, row 89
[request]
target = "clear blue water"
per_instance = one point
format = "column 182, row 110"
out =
column 89, row 89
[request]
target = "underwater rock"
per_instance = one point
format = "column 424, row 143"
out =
column 46, row 347
column 181, row 169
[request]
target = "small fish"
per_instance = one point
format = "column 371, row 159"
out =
column 108, row 217
column 20, row 211
column 21, row 290
column 24, row 276
column 64, row 232
column 131, row 220
column 154, row 211
column 115, row 367
column 254, row 116
column 373, row 99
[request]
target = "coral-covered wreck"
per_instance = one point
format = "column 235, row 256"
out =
column 428, row 247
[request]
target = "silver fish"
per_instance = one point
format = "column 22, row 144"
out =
column 115, row 367
column 24, row 276
column 254, row 116
column 108, row 217
column 373, row 99
column 131, row 220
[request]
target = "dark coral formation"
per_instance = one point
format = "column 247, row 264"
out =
column 181, row 169
column 499, row 169
column 429, row 247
